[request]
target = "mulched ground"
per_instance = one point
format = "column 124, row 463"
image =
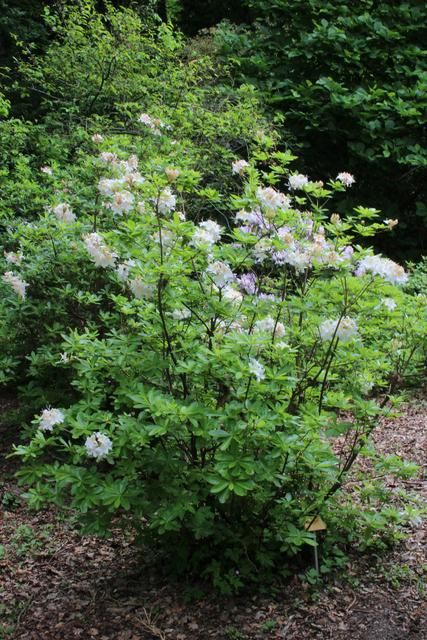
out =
column 55, row 585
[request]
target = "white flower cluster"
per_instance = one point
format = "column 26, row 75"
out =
column 49, row 418
column 181, row 314
column 268, row 325
column 389, row 303
column 166, row 201
column 206, row 234
column 64, row 213
column 141, row 289
column 124, row 268
column 239, row 167
column 232, row 295
column 297, row 181
column 98, row 445
column 220, row 273
column 256, row 369
column 344, row 329
column 155, row 124
column 14, row 258
column 122, row 200
column 172, row 173
column 99, row 252
column 346, row 178
column 383, row 267
column 97, row 138
column 272, row 199
column 17, row 284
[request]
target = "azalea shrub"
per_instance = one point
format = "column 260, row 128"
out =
column 210, row 367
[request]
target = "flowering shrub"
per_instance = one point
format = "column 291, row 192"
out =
column 211, row 365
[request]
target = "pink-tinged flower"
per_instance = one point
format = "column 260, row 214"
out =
column 172, row 174
column 346, row 178
column 97, row 138
column 122, row 202
column 14, row 258
column 391, row 223
column 272, row 199
column 47, row 170
column 248, row 283
column 17, row 284
column 108, row 157
column 99, row 252
column 383, row 267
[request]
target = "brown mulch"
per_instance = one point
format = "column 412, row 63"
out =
column 56, row 585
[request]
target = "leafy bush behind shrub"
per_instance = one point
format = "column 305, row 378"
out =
column 350, row 81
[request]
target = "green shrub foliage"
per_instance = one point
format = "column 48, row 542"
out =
column 202, row 348
column 206, row 368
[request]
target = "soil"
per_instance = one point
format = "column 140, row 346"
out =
column 56, row 585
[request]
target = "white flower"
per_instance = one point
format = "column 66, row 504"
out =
column 273, row 199
column 389, row 303
column 47, row 170
column 268, row 325
column 262, row 250
column 256, row 369
column 391, row 222
column 172, row 174
column 181, row 314
column 344, row 329
column 298, row 181
column 49, row 418
column 166, row 201
column 122, row 202
column 346, row 178
column 97, row 138
column 387, row 269
column 141, row 290
column 133, row 179
column 239, row 167
column 145, row 119
column 220, row 273
column 232, row 295
column 64, row 213
column 208, row 233
column 108, row 157
column 152, row 123
column 17, row 284
column 108, row 186
column 13, row 258
column 98, row 445
column 123, row 269
column 64, row 357
column 100, row 253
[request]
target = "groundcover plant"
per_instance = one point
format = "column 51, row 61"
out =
column 220, row 361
